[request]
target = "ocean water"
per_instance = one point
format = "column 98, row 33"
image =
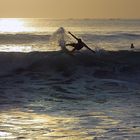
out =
column 34, row 34
column 47, row 94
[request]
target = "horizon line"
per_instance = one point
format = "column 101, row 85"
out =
column 70, row 18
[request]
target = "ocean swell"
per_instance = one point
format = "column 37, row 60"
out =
column 111, row 36
column 111, row 65
column 22, row 38
column 37, row 38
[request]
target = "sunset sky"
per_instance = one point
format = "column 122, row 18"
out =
column 70, row 8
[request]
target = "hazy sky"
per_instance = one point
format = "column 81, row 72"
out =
column 70, row 8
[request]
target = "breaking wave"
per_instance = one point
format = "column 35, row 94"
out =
column 121, row 64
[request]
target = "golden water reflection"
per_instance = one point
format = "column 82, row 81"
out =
column 17, row 124
column 12, row 25
column 15, row 48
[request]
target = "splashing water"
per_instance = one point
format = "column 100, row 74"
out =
column 59, row 38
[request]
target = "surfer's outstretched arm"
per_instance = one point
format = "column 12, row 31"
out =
column 73, row 35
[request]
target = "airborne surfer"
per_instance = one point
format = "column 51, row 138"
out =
column 79, row 45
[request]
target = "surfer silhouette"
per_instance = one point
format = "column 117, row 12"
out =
column 77, row 46
column 132, row 46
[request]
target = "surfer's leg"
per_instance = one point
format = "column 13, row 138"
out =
column 67, row 44
column 71, row 44
column 73, row 50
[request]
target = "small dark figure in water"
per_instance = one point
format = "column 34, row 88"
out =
column 132, row 46
column 77, row 46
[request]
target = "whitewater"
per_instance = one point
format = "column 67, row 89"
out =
column 47, row 94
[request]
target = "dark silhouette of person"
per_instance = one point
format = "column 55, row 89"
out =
column 77, row 46
column 132, row 46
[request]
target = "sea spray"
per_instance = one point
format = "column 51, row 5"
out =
column 60, row 37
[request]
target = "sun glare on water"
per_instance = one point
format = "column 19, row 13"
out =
column 12, row 25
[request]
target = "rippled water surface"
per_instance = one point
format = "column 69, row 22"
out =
column 46, row 94
column 39, row 106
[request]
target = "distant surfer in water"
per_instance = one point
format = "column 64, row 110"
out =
column 132, row 46
column 77, row 46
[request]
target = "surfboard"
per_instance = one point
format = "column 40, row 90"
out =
column 88, row 47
